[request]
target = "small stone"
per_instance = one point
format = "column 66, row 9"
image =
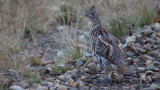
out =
column 105, row 88
column 73, row 88
column 143, row 51
column 154, row 53
column 105, row 81
column 149, row 57
column 148, row 62
column 158, row 34
column 12, row 73
column 94, row 88
column 82, row 39
column 87, row 54
column 84, row 88
column 22, row 84
column 149, row 78
column 146, row 33
column 49, row 69
column 156, row 27
column 61, row 28
column 73, row 84
column 62, row 77
column 149, row 72
column 130, row 39
column 52, row 88
column 149, row 40
column 143, row 77
column 141, row 68
column 125, row 88
column 90, row 85
column 59, row 53
column 130, row 53
column 62, row 87
column 116, row 77
column 86, row 69
column 150, row 67
column 155, row 86
column 92, row 68
column 157, row 75
column 79, row 63
column 15, row 87
column 41, row 88
column 156, row 69
column 156, row 63
column 47, row 84
column 135, row 79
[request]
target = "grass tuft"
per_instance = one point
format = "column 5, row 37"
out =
column 34, row 78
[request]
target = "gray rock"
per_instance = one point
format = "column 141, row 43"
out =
column 15, row 87
column 79, row 63
column 154, row 53
column 87, row 54
column 157, row 75
column 84, row 88
column 22, row 84
column 146, row 33
column 156, row 27
column 92, row 68
column 149, row 72
column 62, row 77
column 149, row 57
column 116, row 77
column 47, row 84
column 141, row 68
column 52, row 88
column 130, row 53
column 41, row 88
column 82, row 39
column 150, row 67
column 73, row 88
column 105, row 88
column 143, row 77
column 130, row 39
column 59, row 53
column 155, row 86
column 148, row 62
column 135, row 79
column 62, row 87
column 12, row 73
column 149, row 78
column 149, row 40
column 156, row 63
column 94, row 88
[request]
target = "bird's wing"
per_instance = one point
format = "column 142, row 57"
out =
column 119, row 44
column 104, row 46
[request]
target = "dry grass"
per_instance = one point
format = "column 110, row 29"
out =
column 22, row 20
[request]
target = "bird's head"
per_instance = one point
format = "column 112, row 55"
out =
column 93, row 14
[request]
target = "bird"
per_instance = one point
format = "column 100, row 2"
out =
column 105, row 48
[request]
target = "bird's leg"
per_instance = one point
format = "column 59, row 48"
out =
column 108, row 71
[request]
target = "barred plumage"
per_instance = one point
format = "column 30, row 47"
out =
column 105, row 47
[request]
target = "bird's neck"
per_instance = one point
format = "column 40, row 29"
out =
column 97, row 29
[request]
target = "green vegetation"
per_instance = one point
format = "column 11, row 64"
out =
column 34, row 78
column 58, row 69
column 67, row 15
column 34, row 61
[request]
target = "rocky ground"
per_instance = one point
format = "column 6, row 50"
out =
column 143, row 59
